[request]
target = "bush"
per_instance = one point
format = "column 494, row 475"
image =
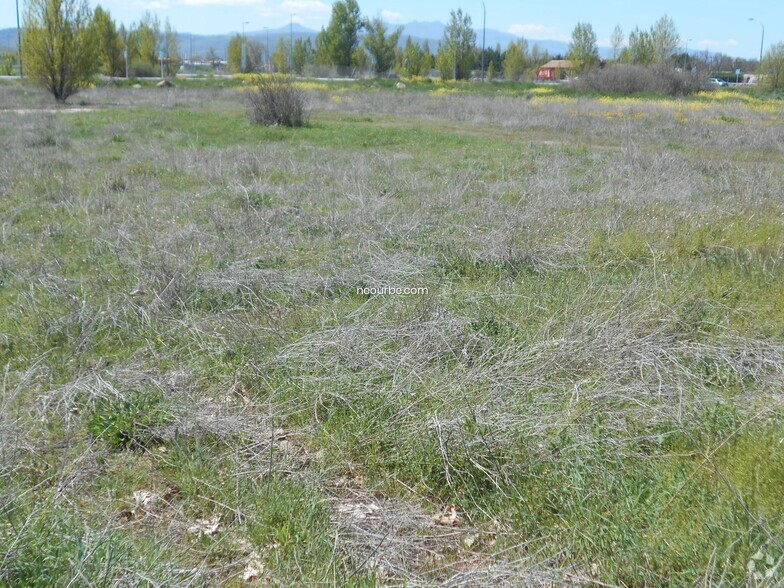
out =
column 277, row 101
column 633, row 79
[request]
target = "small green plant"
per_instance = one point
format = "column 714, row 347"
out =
column 129, row 422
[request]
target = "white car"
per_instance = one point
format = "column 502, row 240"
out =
column 718, row 82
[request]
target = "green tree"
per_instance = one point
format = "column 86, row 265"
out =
column 252, row 54
column 516, row 59
column 234, row 53
column 336, row 44
column 59, row 45
column 428, row 60
column 381, row 45
column 146, row 40
column 280, row 58
column 128, row 43
column 171, row 48
column 110, row 44
column 616, row 41
column 490, row 74
column 772, row 67
column 640, row 50
column 416, row 59
column 7, row 63
column 360, row 59
column 301, row 55
column 455, row 54
column 583, row 50
column 411, row 58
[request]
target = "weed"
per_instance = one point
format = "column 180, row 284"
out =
column 129, row 422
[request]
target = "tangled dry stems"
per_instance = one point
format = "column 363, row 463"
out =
column 276, row 100
column 632, row 356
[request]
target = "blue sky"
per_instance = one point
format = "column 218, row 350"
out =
column 708, row 24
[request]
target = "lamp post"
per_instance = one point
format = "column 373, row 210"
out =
column 291, row 43
column 243, row 49
column 19, row 40
column 268, row 53
column 686, row 56
column 484, row 22
column 762, row 40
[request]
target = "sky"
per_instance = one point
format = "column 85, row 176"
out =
column 704, row 24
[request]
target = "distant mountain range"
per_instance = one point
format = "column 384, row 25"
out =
column 432, row 32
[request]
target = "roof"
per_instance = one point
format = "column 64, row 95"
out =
column 557, row 64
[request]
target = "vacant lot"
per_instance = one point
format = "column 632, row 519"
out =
column 194, row 392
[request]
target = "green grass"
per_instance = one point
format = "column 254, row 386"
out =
column 591, row 379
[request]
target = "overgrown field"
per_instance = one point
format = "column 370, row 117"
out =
column 195, row 392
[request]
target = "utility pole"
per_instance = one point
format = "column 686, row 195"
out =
column 19, row 40
column 243, row 48
column 291, row 43
column 484, row 23
column 268, row 51
column 762, row 40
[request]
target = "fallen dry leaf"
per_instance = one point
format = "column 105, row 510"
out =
column 448, row 518
column 358, row 510
column 206, row 527
column 254, row 568
column 144, row 499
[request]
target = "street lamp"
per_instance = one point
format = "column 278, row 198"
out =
column 291, row 43
column 243, row 49
column 484, row 21
column 762, row 40
column 268, row 53
column 686, row 56
column 19, row 40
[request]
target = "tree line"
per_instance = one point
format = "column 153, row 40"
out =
column 659, row 47
column 65, row 43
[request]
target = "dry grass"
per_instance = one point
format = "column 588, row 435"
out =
column 593, row 381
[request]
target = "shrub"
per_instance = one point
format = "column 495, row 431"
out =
column 277, row 101
column 633, row 79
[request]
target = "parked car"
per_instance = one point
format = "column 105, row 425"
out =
column 718, row 82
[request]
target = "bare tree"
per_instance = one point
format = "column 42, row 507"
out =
column 616, row 41
column 665, row 39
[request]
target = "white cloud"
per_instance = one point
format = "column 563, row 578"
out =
column 713, row 45
column 537, row 31
column 305, row 7
column 306, row 12
column 217, row 2
column 391, row 16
